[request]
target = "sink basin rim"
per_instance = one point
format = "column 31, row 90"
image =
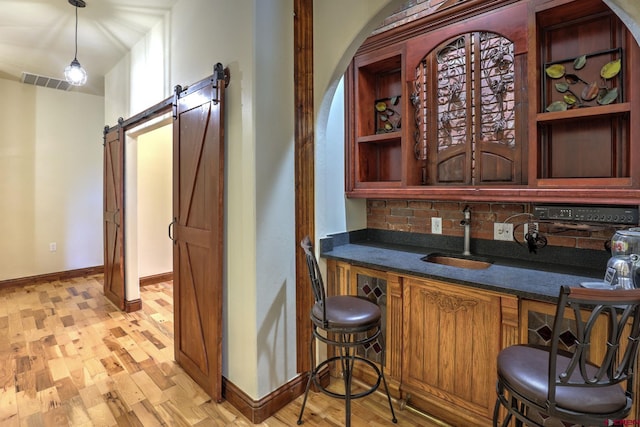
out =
column 472, row 262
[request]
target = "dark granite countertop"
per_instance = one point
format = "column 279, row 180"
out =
column 514, row 270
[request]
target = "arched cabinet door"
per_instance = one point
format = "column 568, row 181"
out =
column 466, row 111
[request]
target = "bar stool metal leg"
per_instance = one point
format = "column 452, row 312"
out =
column 347, row 357
column 384, row 380
column 311, row 377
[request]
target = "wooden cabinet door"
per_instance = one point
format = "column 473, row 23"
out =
column 198, row 190
column 113, row 216
column 468, row 113
column 452, row 336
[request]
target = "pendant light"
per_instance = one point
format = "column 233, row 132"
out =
column 74, row 73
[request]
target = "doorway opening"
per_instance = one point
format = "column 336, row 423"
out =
column 148, row 194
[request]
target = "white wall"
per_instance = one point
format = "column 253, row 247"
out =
column 50, row 180
column 337, row 36
column 142, row 78
column 334, row 212
column 17, row 180
column 117, row 102
column 205, row 32
column 275, row 195
column 155, row 185
column 139, row 81
column 150, row 69
column 629, row 13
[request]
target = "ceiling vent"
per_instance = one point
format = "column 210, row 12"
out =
column 43, row 81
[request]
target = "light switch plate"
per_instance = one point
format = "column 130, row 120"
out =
column 436, row 225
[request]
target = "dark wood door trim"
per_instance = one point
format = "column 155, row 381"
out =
column 304, row 168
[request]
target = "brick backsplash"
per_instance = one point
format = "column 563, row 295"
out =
column 415, row 216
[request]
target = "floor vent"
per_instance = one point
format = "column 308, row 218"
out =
column 50, row 82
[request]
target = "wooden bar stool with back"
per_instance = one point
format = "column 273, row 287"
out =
column 585, row 376
column 344, row 322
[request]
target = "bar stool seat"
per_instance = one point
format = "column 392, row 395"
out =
column 347, row 312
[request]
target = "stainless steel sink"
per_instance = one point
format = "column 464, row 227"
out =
column 460, row 261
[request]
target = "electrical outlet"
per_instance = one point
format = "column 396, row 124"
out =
column 529, row 227
column 53, row 247
column 503, row 231
column 436, row 225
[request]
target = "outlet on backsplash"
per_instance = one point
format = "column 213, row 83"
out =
column 436, row 225
column 503, row 231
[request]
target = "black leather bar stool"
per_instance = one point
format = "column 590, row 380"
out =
column 576, row 380
column 344, row 322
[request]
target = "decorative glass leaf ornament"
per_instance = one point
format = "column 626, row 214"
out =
column 557, row 106
column 381, row 106
column 611, row 69
column 562, row 87
column 570, row 99
column 608, row 97
column 589, row 93
column 555, row 71
column 579, row 62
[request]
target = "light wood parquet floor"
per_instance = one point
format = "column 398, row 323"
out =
column 68, row 357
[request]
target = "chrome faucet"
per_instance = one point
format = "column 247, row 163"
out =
column 467, row 229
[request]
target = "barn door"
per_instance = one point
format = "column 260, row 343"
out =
column 197, row 230
column 113, row 217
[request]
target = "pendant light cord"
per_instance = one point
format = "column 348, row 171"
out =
column 74, row 73
column 75, row 55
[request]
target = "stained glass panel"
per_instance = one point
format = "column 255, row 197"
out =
column 375, row 289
